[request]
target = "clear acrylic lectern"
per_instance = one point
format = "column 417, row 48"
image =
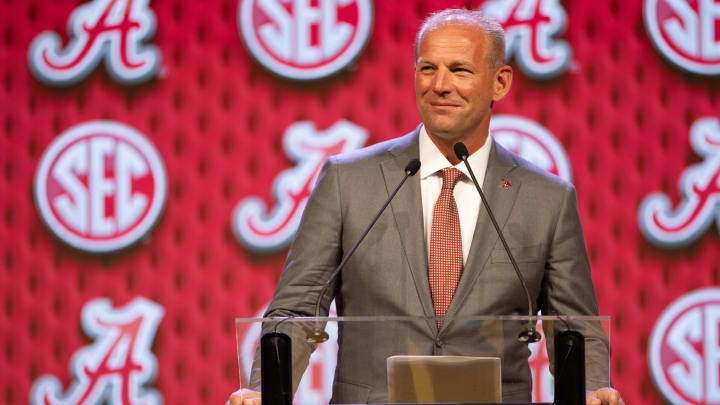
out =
column 397, row 359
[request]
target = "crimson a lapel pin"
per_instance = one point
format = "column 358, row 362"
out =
column 505, row 184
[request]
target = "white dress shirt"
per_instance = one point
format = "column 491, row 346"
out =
column 466, row 197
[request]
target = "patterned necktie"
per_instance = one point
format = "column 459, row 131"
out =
column 446, row 255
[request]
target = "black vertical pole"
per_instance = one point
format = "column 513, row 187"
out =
column 276, row 369
column 569, row 368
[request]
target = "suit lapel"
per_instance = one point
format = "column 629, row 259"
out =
column 407, row 210
column 485, row 238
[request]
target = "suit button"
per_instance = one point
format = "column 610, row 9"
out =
column 438, row 343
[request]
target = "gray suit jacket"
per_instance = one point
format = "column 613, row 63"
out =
column 388, row 274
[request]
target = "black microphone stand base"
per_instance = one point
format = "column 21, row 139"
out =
column 569, row 368
column 276, row 369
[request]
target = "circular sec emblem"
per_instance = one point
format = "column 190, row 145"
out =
column 532, row 142
column 304, row 39
column 100, row 186
column 686, row 33
column 684, row 351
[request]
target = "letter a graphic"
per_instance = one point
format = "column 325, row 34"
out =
column 264, row 228
column 699, row 190
column 116, row 368
column 113, row 29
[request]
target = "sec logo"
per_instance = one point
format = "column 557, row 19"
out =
column 684, row 354
column 532, row 142
column 685, row 32
column 100, row 186
column 303, row 39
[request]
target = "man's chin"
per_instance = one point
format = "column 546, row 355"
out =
column 443, row 133
column 441, row 129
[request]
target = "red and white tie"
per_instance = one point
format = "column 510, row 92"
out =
column 446, row 255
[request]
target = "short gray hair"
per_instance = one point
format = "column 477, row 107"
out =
column 473, row 19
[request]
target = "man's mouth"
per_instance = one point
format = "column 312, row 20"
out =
column 444, row 104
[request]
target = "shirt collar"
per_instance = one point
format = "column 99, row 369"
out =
column 433, row 160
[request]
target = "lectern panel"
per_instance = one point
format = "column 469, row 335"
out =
column 316, row 361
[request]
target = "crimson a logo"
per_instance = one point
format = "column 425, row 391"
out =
column 298, row 40
column 263, row 229
column 100, row 186
column 531, row 30
column 110, row 29
column 686, row 33
column 699, row 190
column 543, row 382
column 117, row 366
column 683, row 354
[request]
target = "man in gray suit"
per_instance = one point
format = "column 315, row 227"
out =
column 401, row 267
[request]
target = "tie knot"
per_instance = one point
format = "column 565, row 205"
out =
column 450, row 177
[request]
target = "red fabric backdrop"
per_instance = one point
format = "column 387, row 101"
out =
column 217, row 118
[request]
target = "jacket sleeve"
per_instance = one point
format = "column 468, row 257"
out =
column 568, row 290
column 313, row 256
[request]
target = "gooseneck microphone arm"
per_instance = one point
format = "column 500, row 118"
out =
column 318, row 335
column 529, row 335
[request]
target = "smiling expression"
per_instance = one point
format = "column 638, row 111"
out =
column 454, row 85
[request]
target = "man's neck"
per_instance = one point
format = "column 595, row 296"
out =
column 446, row 146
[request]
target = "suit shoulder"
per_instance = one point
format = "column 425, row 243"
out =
column 373, row 154
column 538, row 176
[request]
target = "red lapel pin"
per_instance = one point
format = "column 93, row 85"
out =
column 505, row 184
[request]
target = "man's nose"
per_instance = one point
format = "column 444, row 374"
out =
column 442, row 83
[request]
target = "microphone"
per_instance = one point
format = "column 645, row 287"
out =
column 318, row 335
column 569, row 368
column 529, row 334
column 276, row 368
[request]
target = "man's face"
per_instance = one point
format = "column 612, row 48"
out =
column 454, row 84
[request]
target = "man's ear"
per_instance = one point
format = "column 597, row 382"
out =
column 502, row 82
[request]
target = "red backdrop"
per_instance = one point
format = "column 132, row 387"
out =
column 217, row 118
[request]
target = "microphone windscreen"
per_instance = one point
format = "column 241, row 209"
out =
column 569, row 368
column 412, row 167
column 461, row 151
column 276, row 368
